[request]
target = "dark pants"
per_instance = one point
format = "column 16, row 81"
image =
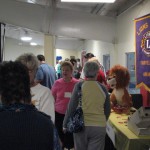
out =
column 58, row 75
column 67, row 138
column 108, row 143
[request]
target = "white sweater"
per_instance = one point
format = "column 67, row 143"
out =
column 43, row 99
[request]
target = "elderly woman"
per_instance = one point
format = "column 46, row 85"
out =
column 22, row 126
column 62, row 91
column 96, row 110
column 42, row 97
column 101, row 75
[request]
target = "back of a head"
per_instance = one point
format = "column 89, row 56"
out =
column 90, row 69
column 73, row 61
column 41, row 57
column 14, row 83
column 67, row 59
column 29, row 60
column 78, row 59
column 94, row 59
column 89, row 55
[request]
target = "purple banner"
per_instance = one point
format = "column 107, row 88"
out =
column 142, row 49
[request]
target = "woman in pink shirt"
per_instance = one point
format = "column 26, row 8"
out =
column 62, row 90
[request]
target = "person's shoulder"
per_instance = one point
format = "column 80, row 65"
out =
column 79, row 83
column 43, row 88
column 75, row 80
column 44, row 116
column 51, row 68
column 40, row 67
column 59, row 81
column 101, row 73
column 44, row 66
column 101, row 85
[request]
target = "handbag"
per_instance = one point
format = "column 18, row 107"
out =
column 76, row 121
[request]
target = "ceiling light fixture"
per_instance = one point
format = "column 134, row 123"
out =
column 89, row 1
column 33, row 44
column 26, row 37
column 31, row 1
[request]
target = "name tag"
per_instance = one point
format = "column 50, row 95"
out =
column 67, row 94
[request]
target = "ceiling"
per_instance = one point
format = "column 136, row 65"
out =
column 95, row 9
column 102, row 9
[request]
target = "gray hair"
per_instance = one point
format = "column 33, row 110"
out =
column 90, row 69
column 29, row 60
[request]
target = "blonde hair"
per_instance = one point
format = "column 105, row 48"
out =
column 94, row 59
column 67, row 63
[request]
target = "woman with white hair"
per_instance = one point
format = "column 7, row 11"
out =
column 96, row 110
column 42, row 97
column 101, row 75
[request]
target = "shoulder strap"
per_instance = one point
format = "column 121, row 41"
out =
column 80, row 93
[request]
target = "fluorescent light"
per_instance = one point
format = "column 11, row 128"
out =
column 33, row 44
column 31, row 1
column 26, row 38
column 89, row 1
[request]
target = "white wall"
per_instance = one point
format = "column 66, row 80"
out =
column 125, row 30
column 13, row 49
column 99, row 48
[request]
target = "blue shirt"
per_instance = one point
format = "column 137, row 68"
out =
column 46, row 74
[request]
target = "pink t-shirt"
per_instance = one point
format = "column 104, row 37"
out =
column 62, row 92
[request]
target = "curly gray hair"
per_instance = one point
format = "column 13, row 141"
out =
column 29, row 60
column 90, row 69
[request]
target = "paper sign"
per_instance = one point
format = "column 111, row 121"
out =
column 67, row 94
column 110, row 132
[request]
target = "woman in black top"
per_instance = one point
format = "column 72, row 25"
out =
column 22, row 126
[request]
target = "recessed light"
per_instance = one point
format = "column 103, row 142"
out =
column 33, row 44
column 26, row 38
column 31, row 1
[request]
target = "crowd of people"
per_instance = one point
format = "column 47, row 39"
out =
column 38, row 99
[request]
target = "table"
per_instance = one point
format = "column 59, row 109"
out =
column 124, row 139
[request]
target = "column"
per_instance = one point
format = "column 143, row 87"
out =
column 2, row 37
column 49, row 49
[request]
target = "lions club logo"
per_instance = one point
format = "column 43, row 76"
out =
column 145, row 43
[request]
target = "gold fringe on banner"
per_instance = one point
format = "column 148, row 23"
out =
column 143, row 84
